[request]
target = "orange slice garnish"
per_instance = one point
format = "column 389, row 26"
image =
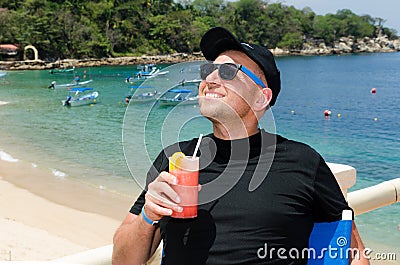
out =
column 175, row 160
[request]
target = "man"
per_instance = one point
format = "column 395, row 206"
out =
column 257, row 189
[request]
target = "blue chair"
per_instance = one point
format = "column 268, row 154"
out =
column 329, row 243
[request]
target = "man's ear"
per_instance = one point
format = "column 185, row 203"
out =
column 264, row 97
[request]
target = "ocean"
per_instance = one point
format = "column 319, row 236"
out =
column 111, row 144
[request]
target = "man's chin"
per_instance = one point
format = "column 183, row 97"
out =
column 208, row 112
column 216, row 113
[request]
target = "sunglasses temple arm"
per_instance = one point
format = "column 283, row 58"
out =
column 252, row 76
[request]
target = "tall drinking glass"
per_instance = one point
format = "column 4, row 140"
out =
column 187, row 174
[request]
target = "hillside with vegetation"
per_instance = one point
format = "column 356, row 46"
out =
column 104, row 28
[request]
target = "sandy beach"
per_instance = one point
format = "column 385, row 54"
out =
column 43, row 218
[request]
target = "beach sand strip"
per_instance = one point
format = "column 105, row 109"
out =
column 43, row 217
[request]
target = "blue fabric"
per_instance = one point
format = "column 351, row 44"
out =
column 147, row 219
column 329, row 243
column 252, row 76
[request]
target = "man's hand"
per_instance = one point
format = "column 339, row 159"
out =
column 161, row 199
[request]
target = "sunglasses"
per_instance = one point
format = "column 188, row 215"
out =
column 228, row 71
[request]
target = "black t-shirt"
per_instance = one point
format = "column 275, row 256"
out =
column 258, row 195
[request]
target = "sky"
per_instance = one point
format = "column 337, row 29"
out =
column 385, row 9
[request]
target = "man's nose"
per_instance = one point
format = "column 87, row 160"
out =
column 213, row 76
column 211, row 84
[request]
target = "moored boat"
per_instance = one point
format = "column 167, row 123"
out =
column 77, row 97
column 143, row 97
column 146, row 72
column 185, row 93
column 62, row 70
column 74, row 83
column 178, row 96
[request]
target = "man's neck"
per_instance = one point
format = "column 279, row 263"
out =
column 233, row 132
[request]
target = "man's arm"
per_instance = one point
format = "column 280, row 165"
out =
column 356, row 243
column 135, row 241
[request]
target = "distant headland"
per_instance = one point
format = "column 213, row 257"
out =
column 345, row 45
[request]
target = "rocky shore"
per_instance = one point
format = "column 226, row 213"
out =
column 344, row 45
column 68, row 63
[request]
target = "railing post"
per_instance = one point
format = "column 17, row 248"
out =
column 345, row 176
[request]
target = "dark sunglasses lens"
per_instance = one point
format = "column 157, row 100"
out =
column 206, row 70
column 227, row 71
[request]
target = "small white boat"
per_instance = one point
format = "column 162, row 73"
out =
column 62, row 70
column 152, row 74
column 146, row 72
column 77, row 97
column 178, row 96
column 73, row 84
column 185, row 93
column 143, row 97
column 137, row 96
column 2, row 74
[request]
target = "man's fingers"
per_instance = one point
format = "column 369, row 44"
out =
column 163, row 192
column 160, row 207
column 155, row 209
column 161, row 199
column 167, row 177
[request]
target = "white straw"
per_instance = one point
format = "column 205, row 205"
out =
column 197, row 146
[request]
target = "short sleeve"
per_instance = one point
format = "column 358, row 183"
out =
column 137, row 206
column 329, row 200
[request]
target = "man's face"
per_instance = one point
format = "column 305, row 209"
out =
column 226, row 100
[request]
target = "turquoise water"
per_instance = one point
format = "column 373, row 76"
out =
column 85, row 142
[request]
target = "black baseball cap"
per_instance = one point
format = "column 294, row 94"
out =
column 218, row 40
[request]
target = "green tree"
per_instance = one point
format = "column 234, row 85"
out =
column 353, row 25
column 104, row 28
column 291, row 41
column 326, row 27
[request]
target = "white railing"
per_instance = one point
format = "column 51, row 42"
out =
column 374, row 197
column 361, row 201
column 96, row 256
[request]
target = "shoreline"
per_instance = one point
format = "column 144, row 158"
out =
column 65, row 191
column 311, row 47
column 68, row 216
column 93, row 62
column 160, row 59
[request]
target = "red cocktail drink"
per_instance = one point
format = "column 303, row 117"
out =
column 187, row 174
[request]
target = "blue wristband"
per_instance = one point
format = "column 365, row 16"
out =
column 147, row 219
